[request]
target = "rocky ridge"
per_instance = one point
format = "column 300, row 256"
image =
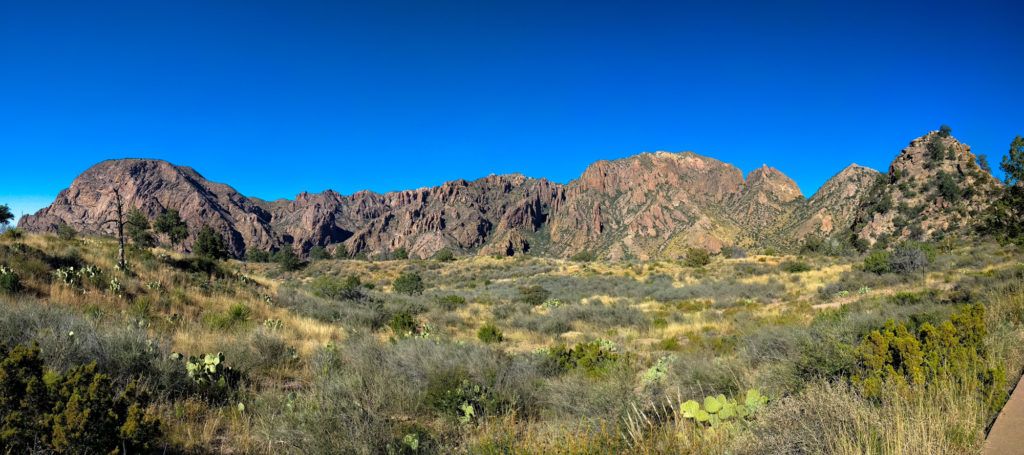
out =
column 651, row 205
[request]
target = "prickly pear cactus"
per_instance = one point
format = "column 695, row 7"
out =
column 719, row 411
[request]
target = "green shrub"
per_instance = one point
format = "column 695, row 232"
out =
column 795, row 266
column 287, row 259
column 10, row 282
column 449, row 302
column 401, row 253
column 534, row 294
column 445, row 255
column 210, row 244
column 332, row 288
column 257, row 255
column 489, row 333
column 403, row 323
column 877, row 262
column 77, row 412
column 66, row 232
column 341, row 251
column 596, row 357
column 583, row 256
column 697, row 257
column 897, row 360
column 408, row 284
column 318, row 253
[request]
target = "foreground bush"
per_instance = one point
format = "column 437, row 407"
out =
column 78, row 412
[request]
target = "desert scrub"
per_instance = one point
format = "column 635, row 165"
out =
column 10, row 282
column 489, row 333
column 77, row 412
column 896, row 359
column 408, row 284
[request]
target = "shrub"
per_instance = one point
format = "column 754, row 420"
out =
column 583, row 256
column 77, row 412
column 948, row 188
column 332, row 288
column 733, row 252
column 936, row 149
column 341, row 252
column 66, row 232
column 257, row 255
column 449, row 302
column 318, row 253
column 945, row 130
column 896, row 359
column 595, row 357
column 287, row 259
column 489, row 333
column 444, row 255
column 907, row 258
column 401, row 253
column 408, row 284
column 402, row 323
column 10, row 282
column 170, row 223
column 795, row 266
column 877, row 262
column 534, row 294
column 697, row 257
column 210, row 244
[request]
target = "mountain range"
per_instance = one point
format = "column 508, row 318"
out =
column 651, row 205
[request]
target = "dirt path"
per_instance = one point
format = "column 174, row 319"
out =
column 1007, row 435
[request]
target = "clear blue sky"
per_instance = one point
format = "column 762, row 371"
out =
column 275, row 98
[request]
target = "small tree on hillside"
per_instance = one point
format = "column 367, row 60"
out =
column 119, row 222
column 210, row 244
column 5, row 215
column 319, row 253
column 137, row 228
column 287, row 259
column 945, row 131
column 409, row 284
column 1013, row 163
column 170, row 223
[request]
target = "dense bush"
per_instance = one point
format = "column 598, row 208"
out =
column 210, row 244
column 10, row 282
column 403, row 322
column 877, row 262
column 896, row 359
column 697, row 257
column 795, row 266
column 257, row 255
column 66, row 232
column 409, row 284
column 489, row 333
column 287, row 259
column 595, row 357
column 76, row 412
column 332, row 288
column 318, row 253
column 583, row 256
column 401, row 253
column 449, row 302
column 445, row 255
column 534, row 294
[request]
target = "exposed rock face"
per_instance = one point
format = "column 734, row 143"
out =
column 933, row 187
column 644, row 206
column 834, row 207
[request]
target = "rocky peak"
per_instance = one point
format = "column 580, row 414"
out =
column 774, row 182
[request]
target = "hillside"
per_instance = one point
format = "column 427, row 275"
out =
column 652, row 205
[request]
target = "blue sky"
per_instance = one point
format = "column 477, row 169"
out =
column 275, row 98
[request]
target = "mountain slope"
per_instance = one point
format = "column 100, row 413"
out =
column 644, row 206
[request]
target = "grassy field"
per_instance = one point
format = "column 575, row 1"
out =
column 780, row 354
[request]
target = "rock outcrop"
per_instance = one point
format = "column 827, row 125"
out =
column 645, row 206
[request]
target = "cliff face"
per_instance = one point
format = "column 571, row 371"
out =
column 645, row 206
